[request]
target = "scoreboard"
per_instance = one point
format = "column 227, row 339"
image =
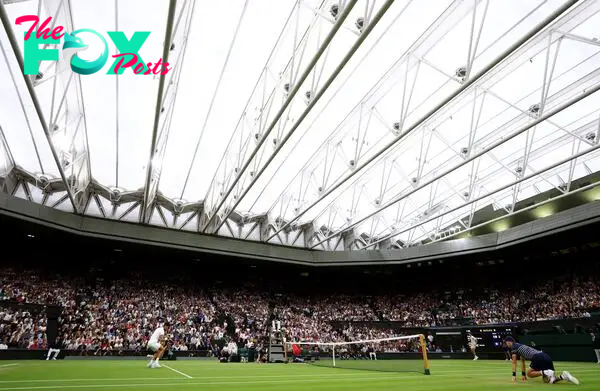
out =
column 490, row 338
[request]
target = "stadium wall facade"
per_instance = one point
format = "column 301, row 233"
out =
column 145, row 234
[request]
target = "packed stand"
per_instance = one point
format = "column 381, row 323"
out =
column 123, row 316
column 22, row 329
column 413, row 311
column 247, row 308
column 302, row 320
column 32, row 287
column 105, row 320
column 119, row 316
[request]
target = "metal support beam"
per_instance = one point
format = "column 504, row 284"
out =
column 465, row 86
column 523, row 179
column 547, row 201
column 153, row 168
column 296, row 236
column 313, row 102
column 444, row 173
column 263, row 226
column 9, row 182
column 294, row 90
column 7, row 162
column 308, row 231
column 7, row 2
column 80, row 169
column 203, row 221
column 77, row 206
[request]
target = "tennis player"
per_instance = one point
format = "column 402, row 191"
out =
column 541, row 364
column 472, row 345
column 157, row 344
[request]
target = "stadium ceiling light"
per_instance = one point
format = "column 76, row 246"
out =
column 592, row 195
column 30, row 236
column 501, row 225
column 544, row 211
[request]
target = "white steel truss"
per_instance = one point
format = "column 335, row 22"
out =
column 58, row 100
column 495, row 124
column 297, row 82
column 372, row 21
column 458, row 209
column 479, row 115
column 375, row 120
column 176, row 41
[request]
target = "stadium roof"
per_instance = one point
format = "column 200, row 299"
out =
column 326, row 124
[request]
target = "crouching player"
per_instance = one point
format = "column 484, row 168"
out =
column 53, row 353
column 158, row 345
column 541, row 364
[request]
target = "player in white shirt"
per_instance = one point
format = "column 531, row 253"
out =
column 472, row 345
column 157, row 345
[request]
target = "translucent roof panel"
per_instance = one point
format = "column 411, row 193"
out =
column 302, row 122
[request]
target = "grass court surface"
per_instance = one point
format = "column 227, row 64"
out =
column 132, row 375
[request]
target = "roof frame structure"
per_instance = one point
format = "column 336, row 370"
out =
column 373, row 21
column 66, row 128
column 402, row 133
column 286, row 88
column 442, row 144
column 586, row 83
column 514, row 185
column 9, row 162
column 167, row 97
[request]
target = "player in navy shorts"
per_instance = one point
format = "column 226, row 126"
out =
column 507, row 353
column 541, row 363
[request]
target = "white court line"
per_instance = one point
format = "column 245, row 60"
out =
column 198, row 383
column 8, row 365
column 84, row 380
column 290, row 376
column 176, row 371
column 328, row 376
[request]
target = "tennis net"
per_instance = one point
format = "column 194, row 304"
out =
column 396, row 354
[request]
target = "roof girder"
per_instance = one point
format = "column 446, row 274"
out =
column 364, row 34
column 216, row 197
column 66, row 130
column 166, row 99
column 374, row 96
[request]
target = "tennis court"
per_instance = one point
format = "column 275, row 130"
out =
column 210, row 375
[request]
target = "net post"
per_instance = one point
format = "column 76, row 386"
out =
column 333, row 354
column 424, row 352
column 285, row 349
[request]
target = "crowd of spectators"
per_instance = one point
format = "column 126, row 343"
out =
column 544, row 301
column 22, row 329
column 412, row 311
column 248, row 310
column 120, row 315
column 123, row 315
